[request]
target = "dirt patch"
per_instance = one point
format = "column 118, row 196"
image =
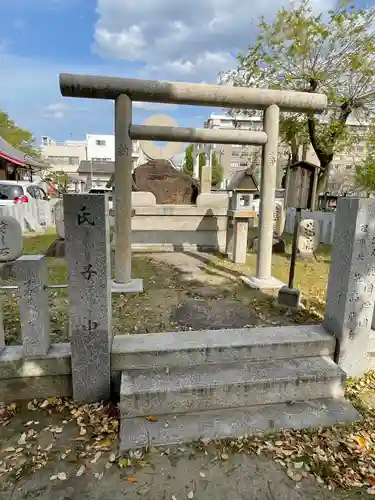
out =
column 215, row 314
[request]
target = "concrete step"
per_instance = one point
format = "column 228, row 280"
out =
column 231, row 423
column 229, row 385
column 159, row 350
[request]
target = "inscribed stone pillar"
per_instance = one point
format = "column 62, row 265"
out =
column 11, row 241
column 2, row 333
column 87, row 250
column 32, row 279
column 241, row 227
column 206, row 179
column 196, row 161
column 351, row 285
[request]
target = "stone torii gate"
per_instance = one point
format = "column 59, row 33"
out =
column 125, row 90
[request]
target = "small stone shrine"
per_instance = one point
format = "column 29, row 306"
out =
column 308, row 238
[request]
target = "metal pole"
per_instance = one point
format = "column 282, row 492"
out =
column 315, row 187
column 123, row 188
column 297, row 219
column 267, row 192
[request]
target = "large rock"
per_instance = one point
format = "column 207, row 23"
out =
column 170, row 186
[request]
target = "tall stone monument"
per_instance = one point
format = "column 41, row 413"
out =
column 88, row 257
column 351, row 286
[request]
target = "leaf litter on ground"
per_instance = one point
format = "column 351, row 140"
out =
column 337, row 457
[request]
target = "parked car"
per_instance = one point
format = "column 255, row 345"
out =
column 17, row 192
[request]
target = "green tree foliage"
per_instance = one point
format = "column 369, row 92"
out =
column 217, row 170
column 365, row 172
column 16, row 136
column 332, row 53
column 188, row 166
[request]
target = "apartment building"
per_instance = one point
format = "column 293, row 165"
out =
column 234, row 158
column 237, row 157
column 343, row 166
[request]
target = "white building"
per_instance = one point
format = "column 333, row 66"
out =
column 63, row 156
column 90, row 161
column 102, row 148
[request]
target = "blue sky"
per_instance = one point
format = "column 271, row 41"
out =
column 159, row 39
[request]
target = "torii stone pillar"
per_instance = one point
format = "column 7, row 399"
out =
column 123, row 199
column 263, row 277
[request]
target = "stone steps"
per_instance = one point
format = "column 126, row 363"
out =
column 226, row 383
column 234, row 422
column 160, row 350
column 229, row 385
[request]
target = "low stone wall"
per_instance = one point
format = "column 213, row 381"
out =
column 34, row 216
column 168, row 227
column 179, row 227
column 326, row 222
column 50, row 375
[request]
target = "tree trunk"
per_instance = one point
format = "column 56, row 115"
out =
column 323, row 178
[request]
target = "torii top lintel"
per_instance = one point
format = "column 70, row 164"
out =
column 223, row 96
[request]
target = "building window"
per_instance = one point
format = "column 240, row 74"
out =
column 235, row 153
column 100, row 142
column 243, row 164
column 348, row 166
column 101, row 159
column 234, row 165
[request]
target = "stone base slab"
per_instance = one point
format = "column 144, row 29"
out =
column 289, row 298
column 134, row 286
column 234, row 422
column 262, row 284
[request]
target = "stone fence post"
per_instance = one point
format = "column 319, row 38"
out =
column 351, row 286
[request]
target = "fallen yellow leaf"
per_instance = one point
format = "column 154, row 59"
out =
column 103, row 443
column 132, row 479
column 152, row 418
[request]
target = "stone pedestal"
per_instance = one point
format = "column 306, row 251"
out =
column 32, row 279
column 351, row 286
column 87, row 250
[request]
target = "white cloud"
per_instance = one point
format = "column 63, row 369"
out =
column 151, row 106
column 56, row 110
column 179, row 39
